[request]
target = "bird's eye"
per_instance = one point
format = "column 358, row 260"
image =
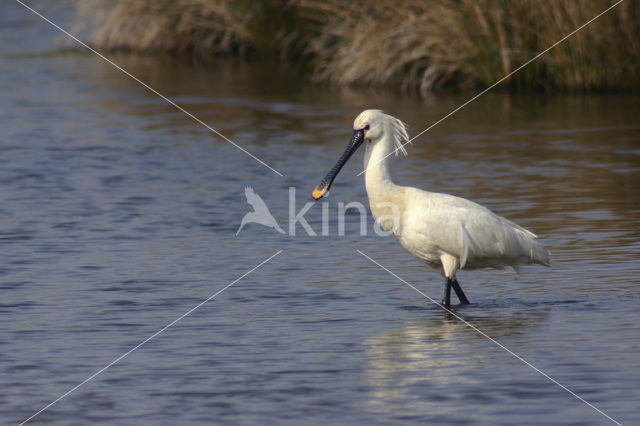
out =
column 367, row 127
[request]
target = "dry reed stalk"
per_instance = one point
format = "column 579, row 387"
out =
column 414, row 45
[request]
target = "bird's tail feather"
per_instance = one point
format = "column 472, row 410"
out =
column 532, row 249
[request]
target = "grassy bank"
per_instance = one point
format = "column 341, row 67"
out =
column 413, row 45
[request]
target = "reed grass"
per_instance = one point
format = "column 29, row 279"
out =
column 412, row 44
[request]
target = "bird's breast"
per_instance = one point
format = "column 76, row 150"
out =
column 387, row 213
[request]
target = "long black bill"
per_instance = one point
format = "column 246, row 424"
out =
column 321, row 189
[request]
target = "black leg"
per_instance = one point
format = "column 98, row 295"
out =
column 461, row 296
column 446, row 302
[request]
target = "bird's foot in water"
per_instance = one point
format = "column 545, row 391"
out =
column 446, row 300
column 446, row 305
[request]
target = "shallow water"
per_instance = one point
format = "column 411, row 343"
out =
column 118, row 215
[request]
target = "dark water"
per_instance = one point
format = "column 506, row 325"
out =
column 118, row 215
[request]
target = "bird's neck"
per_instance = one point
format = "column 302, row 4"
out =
column 385, row 197
column 377, row 177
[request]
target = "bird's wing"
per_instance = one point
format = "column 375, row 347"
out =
column 468, row 230
column 439, row 232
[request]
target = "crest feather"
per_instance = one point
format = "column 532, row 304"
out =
column 400, row 136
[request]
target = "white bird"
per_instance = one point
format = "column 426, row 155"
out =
column 446, row 232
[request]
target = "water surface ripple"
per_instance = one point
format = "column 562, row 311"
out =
column 118, row 214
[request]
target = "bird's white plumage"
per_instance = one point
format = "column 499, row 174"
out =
column 447, row 232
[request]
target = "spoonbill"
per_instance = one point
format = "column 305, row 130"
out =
column 445, row 231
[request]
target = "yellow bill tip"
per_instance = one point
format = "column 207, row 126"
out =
column 318, row 192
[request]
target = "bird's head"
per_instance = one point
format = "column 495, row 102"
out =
column 375, row 128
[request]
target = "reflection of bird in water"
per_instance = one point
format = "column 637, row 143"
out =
column 260, row 213
column 412, row 366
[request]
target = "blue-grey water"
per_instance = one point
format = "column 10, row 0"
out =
column 118, row 215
